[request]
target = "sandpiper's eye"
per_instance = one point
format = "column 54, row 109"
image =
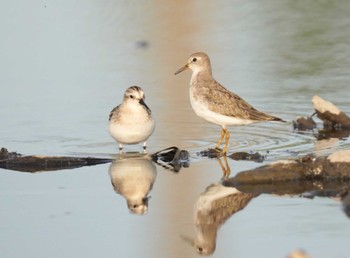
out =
column 194, row 59
column 131, row 96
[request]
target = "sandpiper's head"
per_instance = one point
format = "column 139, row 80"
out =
column 138, row 206
column 197, row 62
column 134, row 94
column 201, row 245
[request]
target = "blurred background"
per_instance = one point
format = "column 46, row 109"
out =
column 65, row 64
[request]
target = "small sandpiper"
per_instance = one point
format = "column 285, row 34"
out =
column 213, row 102
column 131, row 122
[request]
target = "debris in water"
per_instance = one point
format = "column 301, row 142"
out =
column 172, row 158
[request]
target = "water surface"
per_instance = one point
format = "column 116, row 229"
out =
column 65, row 65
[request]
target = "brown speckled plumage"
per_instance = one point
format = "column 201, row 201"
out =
column 213, row 208
column 213, row 102
column 227, row 103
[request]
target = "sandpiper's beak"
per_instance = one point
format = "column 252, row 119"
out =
column 187, row 240
column 144, row 104
column 182, row 69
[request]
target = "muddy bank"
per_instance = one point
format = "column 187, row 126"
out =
column 335, row 166
column 171, row 158
column 32, row 163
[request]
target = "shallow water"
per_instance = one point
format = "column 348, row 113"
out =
column 65, row 65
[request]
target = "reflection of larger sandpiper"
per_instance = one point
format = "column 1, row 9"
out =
column 131, row 122
column 212, row 209
column 213, row 102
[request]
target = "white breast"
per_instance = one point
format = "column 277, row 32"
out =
column 134, row 125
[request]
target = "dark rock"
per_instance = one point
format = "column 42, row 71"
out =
column 328, row 133
column 5, row 154
column 47, row 163
column 335, row 166
column 15, row 161
column 215, row 153
column 331, row 115
column 257, row 157
column 210, row 153
column 346, row 204
column 304, row 123
column 172, row 158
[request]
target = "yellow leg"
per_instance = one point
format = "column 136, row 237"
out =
column 227, row 134
column 221, row 138
column 222, row 167
column 226, row 170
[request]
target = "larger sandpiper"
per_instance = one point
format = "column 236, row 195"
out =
column 131, row 122
column 213, row 102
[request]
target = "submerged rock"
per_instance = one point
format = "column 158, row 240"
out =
column 214, row 153
column 210, row 153
column 257, row 157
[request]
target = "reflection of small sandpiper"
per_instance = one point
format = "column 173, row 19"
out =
column 131, row 122
column 133, row 178
column 213, row 102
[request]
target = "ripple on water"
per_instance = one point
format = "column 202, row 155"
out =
column 280, row 141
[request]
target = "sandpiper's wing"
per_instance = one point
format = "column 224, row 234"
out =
column 114, row 112
column 221, row 100
column 223, row 207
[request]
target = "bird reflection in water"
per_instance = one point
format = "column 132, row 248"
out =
column 213, row 208
column 225, row 167
column 133, row 178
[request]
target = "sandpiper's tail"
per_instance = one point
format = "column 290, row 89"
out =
column 273, row 118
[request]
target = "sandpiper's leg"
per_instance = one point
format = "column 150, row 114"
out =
column 227, row 133
column 220, row 140
column 144, row 147
column 226, row 170
column 120, row 148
